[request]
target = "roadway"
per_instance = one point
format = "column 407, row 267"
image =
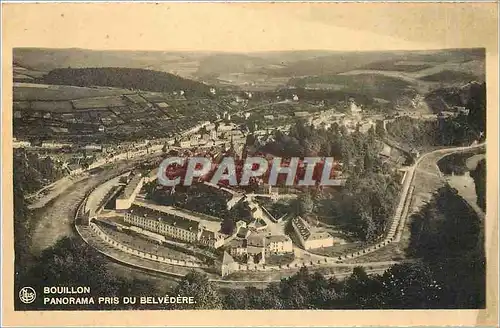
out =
column 55, row 219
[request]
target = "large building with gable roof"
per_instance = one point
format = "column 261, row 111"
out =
column 311, row 237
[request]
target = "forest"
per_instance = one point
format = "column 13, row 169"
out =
column 126, row 78
column 479, row 176
column 363, row 208
column 35, row 171
column 452, row 131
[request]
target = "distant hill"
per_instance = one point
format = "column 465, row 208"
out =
column 264, row 70
column 373, row 85
column 470, row 95
column 331, row 64
column 126, row 78
column 409, row 61
column 228, row 63
column 450, row 77
column 42, row 59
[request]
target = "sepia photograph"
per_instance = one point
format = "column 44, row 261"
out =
column 341, row 171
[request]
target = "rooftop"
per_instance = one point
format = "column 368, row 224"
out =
column 129, row 189
column 208, row 235
column 254, row 249
column 242, row 232
column 256, row 239
column 238, row 243
column 227, row 259
column 319, row 234
column 208, row 222
column 277, row 238
column 168, row 219
column 301, row 226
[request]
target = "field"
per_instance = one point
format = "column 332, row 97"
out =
column 338, row 250
column 390, row 252
column 99, row 102
column 124, row 114
column 403, row 66
column 399, row 75
column 449, row 76
column 45, row 92
column 51, row 106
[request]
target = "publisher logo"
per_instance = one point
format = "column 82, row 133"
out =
column 27, row 295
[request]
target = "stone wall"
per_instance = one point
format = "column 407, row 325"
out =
column 142, row 254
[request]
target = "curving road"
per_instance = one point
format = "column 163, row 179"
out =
column 55, row 219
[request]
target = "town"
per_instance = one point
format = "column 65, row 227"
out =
column 253, row 185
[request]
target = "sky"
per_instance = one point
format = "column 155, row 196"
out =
column 250, row 27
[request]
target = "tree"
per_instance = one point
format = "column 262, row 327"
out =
column 360, row 290
column 477, row 107
column 322, row 291
column 295, row 291
column 121, row 77
column 197, row 285
column 305, row 204
column 237, row 299
column 368, row 162
column 410, row 286
column 270, row 298
column 379, row 128
column 70, row 262
column 479, row 176
column 228, row 226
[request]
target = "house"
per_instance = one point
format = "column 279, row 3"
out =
column 212, row 239
column 166, row 225
column 257, row 225
column 185, row 143
column 237, row 247
column 228, row 265
column 134, row 185
column 243, row 232
column 310, row 237
column 256, row 240
column 240, row 224
column 74, row 168
column 93, row 147
column 176, row 223
column 279, row 244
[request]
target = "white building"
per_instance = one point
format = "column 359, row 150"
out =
column 175, row 223
column 279, row 244
column 311, row 237
column 125, row 200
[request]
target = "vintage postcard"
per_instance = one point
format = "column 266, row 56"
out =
column 178, row 163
